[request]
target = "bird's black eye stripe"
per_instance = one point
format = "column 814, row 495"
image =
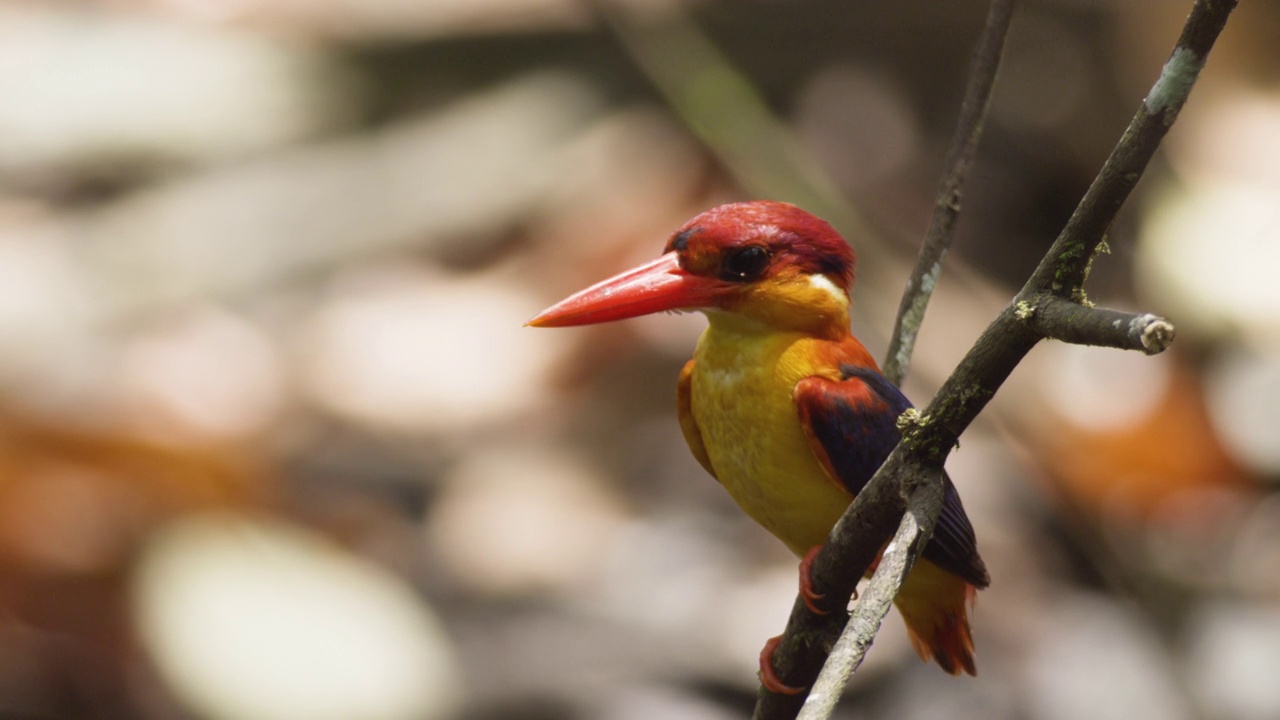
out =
column 744, row 264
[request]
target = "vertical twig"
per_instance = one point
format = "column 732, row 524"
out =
column 946, row 209
column 924, row 504
column 856, row 636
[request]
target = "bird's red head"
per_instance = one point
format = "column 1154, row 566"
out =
column 768, row 262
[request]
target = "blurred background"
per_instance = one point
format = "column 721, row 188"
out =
column 276, row 446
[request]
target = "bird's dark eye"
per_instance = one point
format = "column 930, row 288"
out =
column 744, row 264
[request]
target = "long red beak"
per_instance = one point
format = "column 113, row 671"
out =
column 653, row 287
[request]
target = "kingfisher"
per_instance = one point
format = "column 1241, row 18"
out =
column 783, row 405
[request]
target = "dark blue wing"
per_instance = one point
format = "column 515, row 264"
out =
column 853, row 426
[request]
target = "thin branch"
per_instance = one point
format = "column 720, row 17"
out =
column 871, row 517
column 1068, row 321
column 1064, row 267
column 964, row 147
column 863, row 626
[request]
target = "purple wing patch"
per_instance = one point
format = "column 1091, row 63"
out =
column 853, row 426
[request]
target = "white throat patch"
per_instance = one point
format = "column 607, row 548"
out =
column 823, row 283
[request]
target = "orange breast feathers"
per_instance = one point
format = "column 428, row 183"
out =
column 793, row 433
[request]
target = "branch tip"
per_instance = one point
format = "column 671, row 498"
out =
column 1156, row 334
column 1062, row 319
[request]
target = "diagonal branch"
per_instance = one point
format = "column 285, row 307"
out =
column 876, row 510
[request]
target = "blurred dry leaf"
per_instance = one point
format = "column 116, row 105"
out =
column 77, row 504
column 80, row 501
column 1128, row 453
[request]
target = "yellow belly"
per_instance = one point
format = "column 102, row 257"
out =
column 742, row 384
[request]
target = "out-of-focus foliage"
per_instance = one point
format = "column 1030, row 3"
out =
column 274, row 444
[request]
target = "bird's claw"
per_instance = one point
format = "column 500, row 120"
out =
column 807, row 593
column 768, row 677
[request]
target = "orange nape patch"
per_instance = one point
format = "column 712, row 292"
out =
column 935, row 605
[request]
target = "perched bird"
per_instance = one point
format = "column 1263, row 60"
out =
column 782, row 404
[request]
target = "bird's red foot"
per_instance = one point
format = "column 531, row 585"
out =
column 768, row 677
column 807, row 593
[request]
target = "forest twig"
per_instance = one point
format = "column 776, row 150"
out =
column 1061, row 319
column 946, row 209
column 870, row 519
